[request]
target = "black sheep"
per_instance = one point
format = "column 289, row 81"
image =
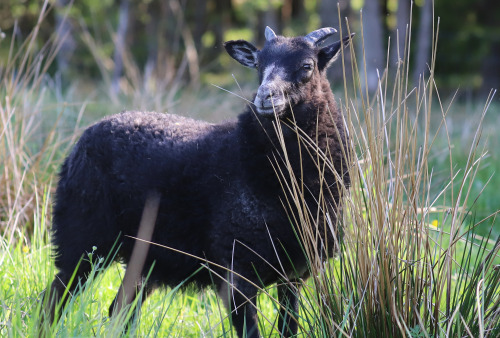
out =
column 221, row 199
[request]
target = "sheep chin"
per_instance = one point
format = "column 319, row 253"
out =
column 271, row 111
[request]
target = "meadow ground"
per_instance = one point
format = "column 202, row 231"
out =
column 420, row 254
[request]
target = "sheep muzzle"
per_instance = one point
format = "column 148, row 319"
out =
column 271, row 95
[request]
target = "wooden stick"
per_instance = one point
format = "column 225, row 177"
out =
column 133, row 274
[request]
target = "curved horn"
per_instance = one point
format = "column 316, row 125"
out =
column 269, row 33
column 319, row 35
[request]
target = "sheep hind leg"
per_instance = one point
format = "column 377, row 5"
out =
column 240, row 301
column 62, row 288
column 53, row 302
column 287, row 322
column 147, row 289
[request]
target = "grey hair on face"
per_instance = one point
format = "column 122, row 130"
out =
column 269, row 34
column 319, row 35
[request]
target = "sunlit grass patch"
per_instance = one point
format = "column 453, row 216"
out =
column 417, row 258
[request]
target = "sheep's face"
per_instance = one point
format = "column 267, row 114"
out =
column 289, row 68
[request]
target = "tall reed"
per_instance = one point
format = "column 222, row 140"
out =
column 31, row 137
column 410, row 263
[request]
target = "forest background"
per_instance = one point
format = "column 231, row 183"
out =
column 182, row 39
column 65, row 64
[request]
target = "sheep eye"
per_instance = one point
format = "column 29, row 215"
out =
column 307, row 66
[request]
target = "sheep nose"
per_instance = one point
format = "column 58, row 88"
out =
column 265, row 96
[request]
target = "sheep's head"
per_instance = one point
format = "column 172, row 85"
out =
column 288, row 68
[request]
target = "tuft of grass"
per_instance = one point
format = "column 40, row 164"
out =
column 31, row 135
column 410, row 262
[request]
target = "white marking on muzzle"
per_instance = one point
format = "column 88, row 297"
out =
column 271, row 79
column 267, row 73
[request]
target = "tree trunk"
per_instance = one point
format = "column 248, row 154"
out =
column 424, row 41
column 398, row 44
column 121, row 35
column 200, row 24
column 190, row 53
column 267, row 17
column 65, row 31
column 298, row 9
column 373, row 46
column 152, row 33
column 221, row 20
column 488, row 14
column 329, row 16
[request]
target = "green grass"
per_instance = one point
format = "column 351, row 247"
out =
column 420, row 255
column 26, row 271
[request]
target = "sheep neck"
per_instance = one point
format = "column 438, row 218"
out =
column 318, row 118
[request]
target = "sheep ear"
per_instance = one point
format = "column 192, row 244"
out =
column 243, row 52
column 329, row 54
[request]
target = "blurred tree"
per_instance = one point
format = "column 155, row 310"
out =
column 488, row 14
column 169, row 40
column 152, row 31
column 468, row 35
column 221, row 19
column 267, row 15
column 66, row 34
column 329, row 16
column 399, row 34
column 121, row 34
column 423, row 52
column 184, row 32
column 373, row 43
column 200, row 22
